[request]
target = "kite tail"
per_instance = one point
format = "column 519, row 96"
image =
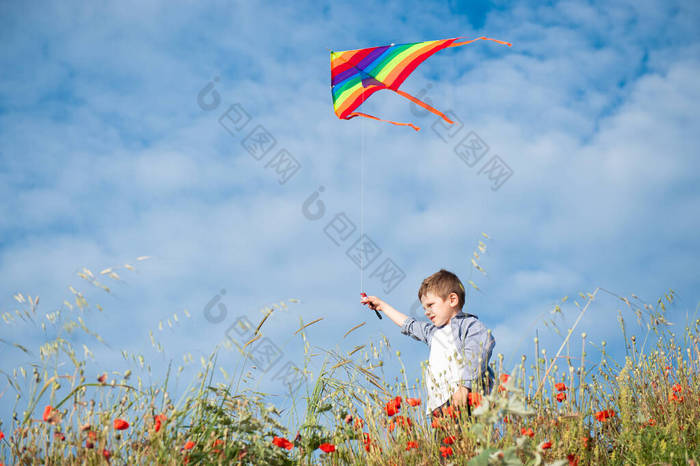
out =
column 479, row 38
column 355, row 114
column 422, row 104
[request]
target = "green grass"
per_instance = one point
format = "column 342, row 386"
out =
column 653, row 394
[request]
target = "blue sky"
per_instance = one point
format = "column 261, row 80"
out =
column 106, row 156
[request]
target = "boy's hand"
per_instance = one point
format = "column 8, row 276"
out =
column 460, row 397
column 364, row 296
column 377, row 305
column 373, row 302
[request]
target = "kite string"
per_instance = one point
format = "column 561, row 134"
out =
column 362, row 202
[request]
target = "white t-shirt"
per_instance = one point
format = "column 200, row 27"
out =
column 445, row 368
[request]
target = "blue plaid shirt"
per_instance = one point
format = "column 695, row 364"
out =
column 472, row 339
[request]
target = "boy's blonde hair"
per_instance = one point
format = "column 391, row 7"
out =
column 442, row 283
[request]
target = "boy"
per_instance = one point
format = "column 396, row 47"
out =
column 460, row 345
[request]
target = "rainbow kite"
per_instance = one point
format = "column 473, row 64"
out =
column 357, row 74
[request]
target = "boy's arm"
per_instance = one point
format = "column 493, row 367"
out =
column 399, row 318
column 418, row 330
column 377, row 304
column 478, row 345
column 409, row 326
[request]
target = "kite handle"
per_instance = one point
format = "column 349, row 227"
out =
column 364, row 295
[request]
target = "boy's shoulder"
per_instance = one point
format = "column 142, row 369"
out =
column 466, row 318
column 469, row 323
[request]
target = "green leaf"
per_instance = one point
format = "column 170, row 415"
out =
column 483, row 408
column 477, row 429
column 510, row 457
column 482, row 459
column 517, row 407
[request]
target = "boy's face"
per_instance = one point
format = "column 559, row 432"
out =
column 439, row 311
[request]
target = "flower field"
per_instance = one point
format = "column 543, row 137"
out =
column 644, row 409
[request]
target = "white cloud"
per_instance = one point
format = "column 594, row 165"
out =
column 106, row 156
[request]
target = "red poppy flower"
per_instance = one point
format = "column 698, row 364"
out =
column 282, row 443
column 561, row 397
column 603, row 415
column 573, row 459
column 584, row 441
column 359, row 423
column 120, row 424
column 436, row 424
column 89, row 444
column 677, row 388
column 366, row 441
column 393, row 406
column 651, row 422
column 327, row 447
column 676, row 398
column 410, row 445
column 545, row 445
column 107, row 454
column 92, row 435
column 217, row 442
column 446, row 451
column 503, row 378
column 159, row 419
column 560, row 387
column 449, row 440
column 413, row 401
column 189, row 445
column 529, row 432
column 450, row 411
column 2, row 436
column 56, row 435
column 399, row 421
column 47, row 413
column 474, row 399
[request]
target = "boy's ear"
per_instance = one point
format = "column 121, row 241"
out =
column 454, row 299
